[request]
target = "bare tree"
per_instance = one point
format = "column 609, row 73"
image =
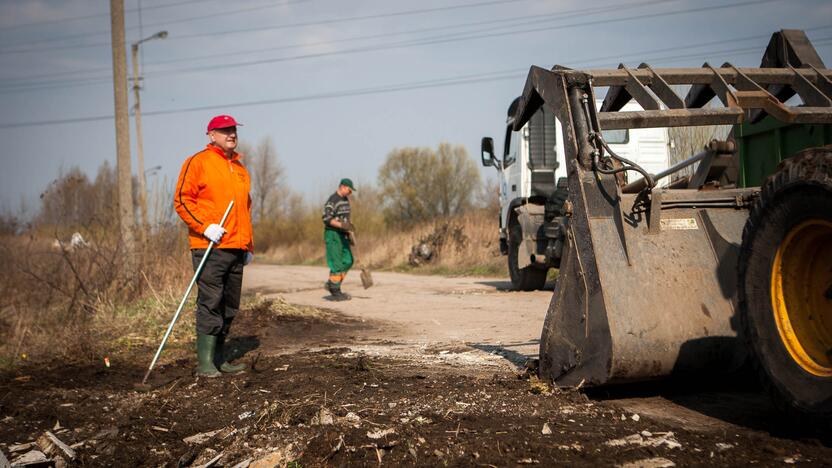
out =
column 455, row 180
column 265, row 171
column 404, row 179
column 418, row 184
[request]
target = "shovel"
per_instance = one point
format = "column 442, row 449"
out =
column 366, row 276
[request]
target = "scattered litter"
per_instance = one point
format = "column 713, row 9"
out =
column 575, row 446
column 66, row 405
column 263, row 390
column 546, row 429
column 207, row 453
column 793, row 459
column 51, row 445
column 667, row 439
column 159, row 428
column 657, row 462
column 723, row 446
column 635, row 417
column 352, row 418
column 245, row 415
column 31, row 457
column 381, row 433
column 528, row 461
column 243, row 464
column 323, row 418
column 23, row 378
column 277, row 458
column 422, row 420
column 106, row 361
column 284, row 367
column 21, row 447
column 197, row 439
column 391, row 405
column 623, row 418
column 335, row 449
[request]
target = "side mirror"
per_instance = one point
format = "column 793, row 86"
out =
column 487, row 152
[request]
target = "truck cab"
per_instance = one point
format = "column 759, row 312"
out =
column 533, row 194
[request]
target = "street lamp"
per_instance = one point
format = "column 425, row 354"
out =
column 138, row 109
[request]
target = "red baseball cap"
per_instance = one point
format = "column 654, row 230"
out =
column 222, row 121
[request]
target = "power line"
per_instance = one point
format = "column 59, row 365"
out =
column 275, row 27
column 163, row 23
column 534, row 19
column 95, row 15
column 445, row 40
column 433, row 83
column 401, row 44
column 559, row 15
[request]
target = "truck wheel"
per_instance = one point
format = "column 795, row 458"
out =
column 523, row 279
column 785, row 284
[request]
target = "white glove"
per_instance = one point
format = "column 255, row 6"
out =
column 214, row 233
column 249, row 258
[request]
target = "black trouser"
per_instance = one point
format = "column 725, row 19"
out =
column 220, row 284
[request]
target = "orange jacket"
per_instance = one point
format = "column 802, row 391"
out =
column 207, row 182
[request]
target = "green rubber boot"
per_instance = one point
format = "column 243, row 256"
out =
column 221, row 363
column 205, row 347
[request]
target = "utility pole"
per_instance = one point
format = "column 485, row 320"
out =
column 137, row 108
column 138, row 111
column 124, row 174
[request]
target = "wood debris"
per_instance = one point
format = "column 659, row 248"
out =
column 200, row 438
column 51, row 445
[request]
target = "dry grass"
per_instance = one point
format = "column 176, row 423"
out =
column 82, row 302
column 473, row 247
column 85, row 303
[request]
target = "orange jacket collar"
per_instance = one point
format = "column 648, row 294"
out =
column 220, row 152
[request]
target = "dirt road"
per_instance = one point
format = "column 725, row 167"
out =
column 418, row 311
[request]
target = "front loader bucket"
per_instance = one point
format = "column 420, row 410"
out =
column 634, row 303
column 648, row 281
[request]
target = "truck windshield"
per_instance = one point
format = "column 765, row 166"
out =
column 614, row 137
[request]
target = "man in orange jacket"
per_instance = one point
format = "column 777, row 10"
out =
column 208, row 182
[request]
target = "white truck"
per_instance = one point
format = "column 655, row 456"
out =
column 532, row 176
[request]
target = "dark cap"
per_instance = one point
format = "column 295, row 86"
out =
column 348, row 183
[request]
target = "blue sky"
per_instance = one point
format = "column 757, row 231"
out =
column 336, row 84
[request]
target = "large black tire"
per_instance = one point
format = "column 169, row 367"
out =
column 785, row 284
column 523, row 279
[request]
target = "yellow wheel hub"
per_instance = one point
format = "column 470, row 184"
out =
column 801, row 295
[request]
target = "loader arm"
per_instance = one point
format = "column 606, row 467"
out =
column 648, row 280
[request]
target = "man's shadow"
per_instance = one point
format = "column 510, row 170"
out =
column 238, row 346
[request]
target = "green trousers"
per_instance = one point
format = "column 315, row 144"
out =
column 338, row 253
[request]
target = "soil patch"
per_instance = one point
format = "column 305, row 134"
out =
column 341, row 407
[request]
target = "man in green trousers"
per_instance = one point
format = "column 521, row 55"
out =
column 337, row 229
